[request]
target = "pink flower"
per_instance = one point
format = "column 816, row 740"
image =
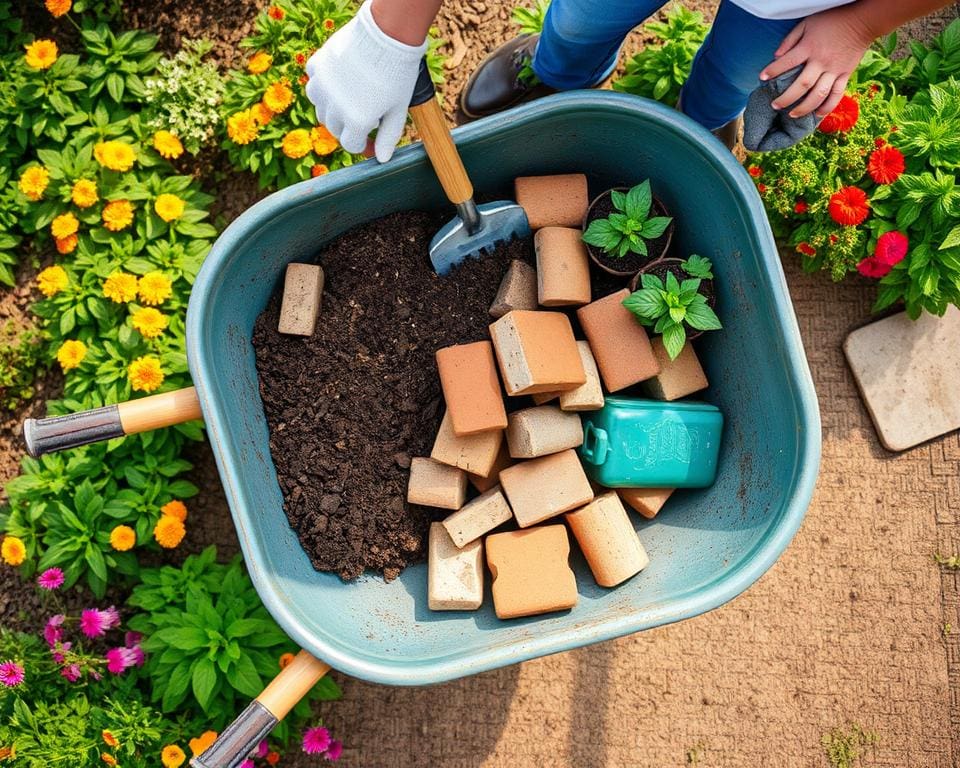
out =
column 263, row 748
column 248, row 763
column 120, row 659
column 11, row 674
column 94, row 623
column 52, row 632
column 131, row 639
column 873, row 267
column 59, row 650
column 72, row 672
column 316, row 740
column 891, row 248
column 50, row 579
column 334, row 750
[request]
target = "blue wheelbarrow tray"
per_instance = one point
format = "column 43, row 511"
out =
column 705, row 548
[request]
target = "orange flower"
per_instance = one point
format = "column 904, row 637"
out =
column 34, row 181
column 117, row 215
column 319, row 170
column 849, row 207
column 109, row 759
column 169, row 531
column 285, row 659
column 58, row 8
column 278, row 96
column 886, row 164
column 146, row 375
column 167, row 145
column 242, row 127
column 200, row 744
column 261, row 113
column 329, row 25
column 122, row 539
column 109, row 739
column 259, row 63
column 296, row 144
column 169, row 207
column 273, row 758
column 806, row 249
column 66, row 244
column 276, row 12
column 84, row 193
column 175, row 508
column 64, row 225
column 324, row 142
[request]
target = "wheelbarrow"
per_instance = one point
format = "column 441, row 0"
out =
column 709, row 547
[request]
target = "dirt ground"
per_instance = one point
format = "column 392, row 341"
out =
column 847, row 628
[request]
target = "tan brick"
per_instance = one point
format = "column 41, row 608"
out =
column 540, row 398
column 433, row 484
column 646, row 501
column 608, row 540
column 589, row 396
column 518, row 289
column 479, row 516
column 454, row 575
column 302, row 294
column 536, row 352
column 502, row 461
column 563, row 267
column 677, row 378
column 471, row 388
column 539, row 431
column 531, row 571
column 553, row 201
column 619, row 343
column 541, row 488
column 476, row 454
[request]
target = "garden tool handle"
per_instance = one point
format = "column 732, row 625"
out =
column 241, row 737
column 58, row 433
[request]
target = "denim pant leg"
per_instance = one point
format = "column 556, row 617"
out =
column 581, row 39
column 727, row 67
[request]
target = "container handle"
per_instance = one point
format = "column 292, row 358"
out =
column 241, row 737
column 595, row 444
column 57, row 433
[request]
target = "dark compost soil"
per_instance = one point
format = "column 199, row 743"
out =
column 632, row 262
column 348, row 407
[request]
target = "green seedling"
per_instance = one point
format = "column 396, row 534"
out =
column 630, row 226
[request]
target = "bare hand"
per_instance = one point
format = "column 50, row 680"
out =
column 829, row 46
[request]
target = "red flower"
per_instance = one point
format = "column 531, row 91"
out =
column 303, row 79
column 894, row 128
column 806, row 249
column 833, row 239
column 329, row 25
column 843, row 117
column 300, row 58
column 874, row 90
column 754, row 170
column 872, row 267
column 891, row 248
column 762, row 188
column 276, row 12
column 879, row 141
column 801, row 206
column 885, row 165
column 849, row 206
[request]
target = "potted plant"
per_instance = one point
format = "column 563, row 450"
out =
column 675, row 295
column 627, row 228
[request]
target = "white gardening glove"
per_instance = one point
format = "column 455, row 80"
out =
column 362, row 79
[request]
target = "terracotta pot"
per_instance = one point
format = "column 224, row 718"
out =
column 600, row 207
column 672, row 264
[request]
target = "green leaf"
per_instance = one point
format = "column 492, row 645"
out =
column 701, row 317
column 619, row 199
column 176, row 686
column 653, row 228
column 639, row 201
column 183, row 638
column 647, row 303
column 677, row 314
column 244, row 678
column 951, row 240
column 698, row 266
column 94, row 558
column 599, row 233
column 204, row 682
column 672, row 284
column 674, row 337
column 327, row 689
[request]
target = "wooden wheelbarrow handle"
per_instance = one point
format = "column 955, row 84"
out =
column 241, row 737
column 58, row 433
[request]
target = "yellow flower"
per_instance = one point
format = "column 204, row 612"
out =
column 52, row 280
column 122, row 538
column 115, row 155
column 324, row 142
column 66, row 244
column 108, row 759
column 108, row 738
column 169, row 207
column 120, row 287
column 149, row 322
column 58, row 7
column 278, row 97
column 154, row 288
column 200, row 744
column 145, row 374
column 84, row 193
column 167, row 145
column 117, row 215
column 13, row 551
column 242, row 128
column 175, row 508
column 169, row 531
column 64, row 225
column 260, row 62
column 41, row 54
column 34, row 181
column 71, row 354
column 297, row 144
column 261, row 113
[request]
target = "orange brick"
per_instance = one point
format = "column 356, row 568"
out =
column 608, row 540
column 647, row 501
column 518, row 289
column 553, row 201
column 677, row 378
column 468, row 375
column 541, row 488
column 537, row 352
column 473, row 453
column 502, row 461
column 563, row 267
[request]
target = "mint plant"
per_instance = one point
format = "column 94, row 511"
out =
column 530, row 20
column 630, row 227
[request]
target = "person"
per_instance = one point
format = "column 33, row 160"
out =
column 363, row 77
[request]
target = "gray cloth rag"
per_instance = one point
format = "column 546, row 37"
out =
column 766, row 129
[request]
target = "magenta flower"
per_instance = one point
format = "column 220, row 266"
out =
column 58, row 651
column 94, row 623
column 120, row 659
column 130, row 639
column 263, row 748
column 52, row 632
column 891, row 248
column 50, row 579
column 11, row 674
column 316, row 740
column 334, row 750
column 248, row 763
column 71, row 672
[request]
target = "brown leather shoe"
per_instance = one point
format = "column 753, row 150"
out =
column 503, row 79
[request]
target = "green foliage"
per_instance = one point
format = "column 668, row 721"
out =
column 530, row 20
column 630, row 226
column 844, row 747
column 19, row 361
column 950, row 562
column 671, row 305
column 661, row 68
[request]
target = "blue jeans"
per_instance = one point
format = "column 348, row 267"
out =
column 581, row 39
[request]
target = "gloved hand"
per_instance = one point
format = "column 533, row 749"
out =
column 766, row 129
column 362, row 79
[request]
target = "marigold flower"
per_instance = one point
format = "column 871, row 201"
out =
column 71, row 354
column 806, row 249
column 754, row 170
column 84, row 193
column 296, row 144
column 303, row 79
column 175, row 508
column 58, row 8
column 145, row 374
column 13, row 550
column 34, row 181
column 154, row 288
column 324, row 142
column 276, row 12
column 50, row 579
column 169, row 207
column 172, row 756
column 891, row 248
column 801, row 207
column 301, row 59
column 319, row 170
column 64, row 225
column 120, row 287
column 873, row 267
column 169, row 531
column 123, row 538
column 11, row 674
column 115, row 155
column 285, row 659
column 167, row 145
column 329, row 25
column 200, row 744
column 886, row 164
column 149, row 321
column 259, row 63
column 278, row 96
column 66, row 244
column 849, row 207
column 316, row 740
column 109, row 739
column 261, row 113
column 52, row 280
column 117, row 215
column 108, row 759
column 95, row 623
column 41, row 54
column 843, row 117
column 242, row 127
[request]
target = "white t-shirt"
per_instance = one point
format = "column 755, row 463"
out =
column 787, row 9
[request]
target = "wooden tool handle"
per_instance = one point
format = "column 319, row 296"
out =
column 292, row 684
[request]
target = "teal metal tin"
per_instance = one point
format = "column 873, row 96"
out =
column 634, row 443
